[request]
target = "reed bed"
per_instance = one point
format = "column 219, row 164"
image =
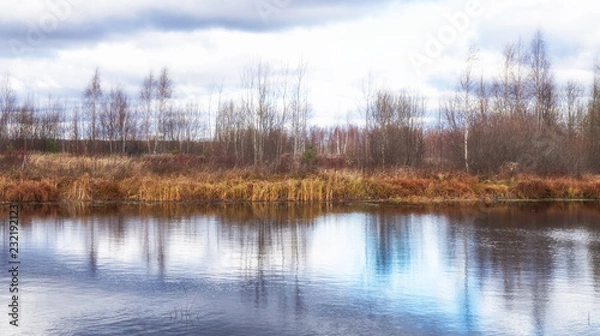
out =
column 58, row 177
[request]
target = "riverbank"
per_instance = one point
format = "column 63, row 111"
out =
column 58, row 177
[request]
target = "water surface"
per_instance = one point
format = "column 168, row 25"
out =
column 312, row 270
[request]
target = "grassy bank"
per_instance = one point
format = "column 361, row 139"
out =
column 50, row 178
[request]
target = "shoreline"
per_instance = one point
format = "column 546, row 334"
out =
column 64, row 178
column 375, row 204
column 48, row 191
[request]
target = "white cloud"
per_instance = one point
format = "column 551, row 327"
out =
column 340, row 53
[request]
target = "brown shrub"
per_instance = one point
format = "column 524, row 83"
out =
column 533, row 189
column 107, row 190
column 410, row 187
column 173, row 164
column 591, row 190
column 168, row 178
column 491, row 190
column 453, row 188
column 33, row 191
column 565, row 188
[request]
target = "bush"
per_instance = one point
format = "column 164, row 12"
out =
column 309, row 159
column 52, row 146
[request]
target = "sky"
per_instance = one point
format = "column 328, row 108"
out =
column 52, row 47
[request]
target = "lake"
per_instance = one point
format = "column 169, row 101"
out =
column 528, row 269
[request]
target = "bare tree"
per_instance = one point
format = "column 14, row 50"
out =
column 382, row 121
column 8, row 106
column 126, row 122
column 190, row 125
column 164, row 109
column 75, row 127
column 92, row 104
column 50, row 124
column 300, row 111
column 147, row 102
column 483, row 99
column 116, row 121
column 542, row 83
column 171, row 124
column 258, row 102
column 460, row 113
column 592, row 123
column 25, row 124
column 410, row 108
column 395, row 137
column 368, row 93
column 511, row 95
column 574, row 107
column 281, row 107
column 467, row 86
column 232, row 124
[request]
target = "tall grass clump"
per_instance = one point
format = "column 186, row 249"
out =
column 33, row 191
column 177, row 178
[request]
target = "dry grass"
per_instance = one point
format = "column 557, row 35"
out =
column 48, row 178
column 31, row 191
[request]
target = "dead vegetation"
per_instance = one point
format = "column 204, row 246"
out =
column 168, row 178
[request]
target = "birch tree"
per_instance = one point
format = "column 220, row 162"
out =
column 542, row 83
column 592, row 123
column 300, row 111
column 8, row 107
column 75, row 129
column 574, row 107
column 164, row 108
column 92, row 104
column 258, row 102
column 147, row 106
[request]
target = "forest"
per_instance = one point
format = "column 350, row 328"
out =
column 521, row 121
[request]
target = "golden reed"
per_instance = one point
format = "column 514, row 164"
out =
column 58, row 177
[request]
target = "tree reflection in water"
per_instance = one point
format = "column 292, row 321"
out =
column 460, row 264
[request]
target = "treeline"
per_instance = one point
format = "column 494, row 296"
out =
column 520, row 120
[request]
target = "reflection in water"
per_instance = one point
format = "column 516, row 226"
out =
column 304, row 270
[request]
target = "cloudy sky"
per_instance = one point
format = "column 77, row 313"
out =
column 51, row 47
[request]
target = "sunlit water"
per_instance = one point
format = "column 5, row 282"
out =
column 290, row 270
